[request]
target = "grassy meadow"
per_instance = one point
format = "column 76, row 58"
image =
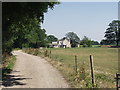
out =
column 105, row 62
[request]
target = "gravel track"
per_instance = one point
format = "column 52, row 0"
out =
column 34, row 72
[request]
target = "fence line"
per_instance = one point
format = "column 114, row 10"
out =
column 48, row 54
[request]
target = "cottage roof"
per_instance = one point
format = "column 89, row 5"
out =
column 64, row 39
column 54, row 43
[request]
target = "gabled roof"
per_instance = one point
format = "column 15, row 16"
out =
column 54, row 43
column 64, row 39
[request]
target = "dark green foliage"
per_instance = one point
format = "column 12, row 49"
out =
column 21, row 24
column 104, row 42
column 86, row 42
column 112, row 33
column 95, row 43
column 51, row 38
column 74, row 39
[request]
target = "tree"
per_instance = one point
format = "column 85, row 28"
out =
column 17, row 22
column 29, row 34
column 95, row 42
column 74, row 39
column 104, row 42
column 112, row 33
column 51, row 38
column 86, row 42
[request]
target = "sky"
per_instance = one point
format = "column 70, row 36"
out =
column 89, row 19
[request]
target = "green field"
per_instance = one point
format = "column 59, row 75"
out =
column 105, row 65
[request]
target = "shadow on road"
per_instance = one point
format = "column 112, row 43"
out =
column 11, row 80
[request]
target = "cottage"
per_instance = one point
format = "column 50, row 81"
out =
column 62, row 43
column 55, row 44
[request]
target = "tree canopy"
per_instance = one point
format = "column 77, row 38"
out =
column 112, row 33
column 95, row 42
column 74, row 39
column 86, row 42
column 51, row 38
column 21, row 23
column 104, row 42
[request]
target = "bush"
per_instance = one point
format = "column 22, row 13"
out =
column 86, row 42
column 84, row 45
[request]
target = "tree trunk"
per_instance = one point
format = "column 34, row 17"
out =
column 117, row 43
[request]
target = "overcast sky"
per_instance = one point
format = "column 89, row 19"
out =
column 84, row 18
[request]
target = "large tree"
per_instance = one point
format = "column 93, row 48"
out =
column 74, row 39
column 112, row 33
column 17, row 22
column 29, row 34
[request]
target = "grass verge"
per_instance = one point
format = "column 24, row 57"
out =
column 8, row 66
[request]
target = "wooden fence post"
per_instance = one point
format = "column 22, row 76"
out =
column 117, row 81
column 92, row 70
column 50, row 54
column 76, row 64
column 45, row 53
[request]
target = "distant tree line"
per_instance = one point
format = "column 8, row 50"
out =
column 74, row 40
column 112, row 36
